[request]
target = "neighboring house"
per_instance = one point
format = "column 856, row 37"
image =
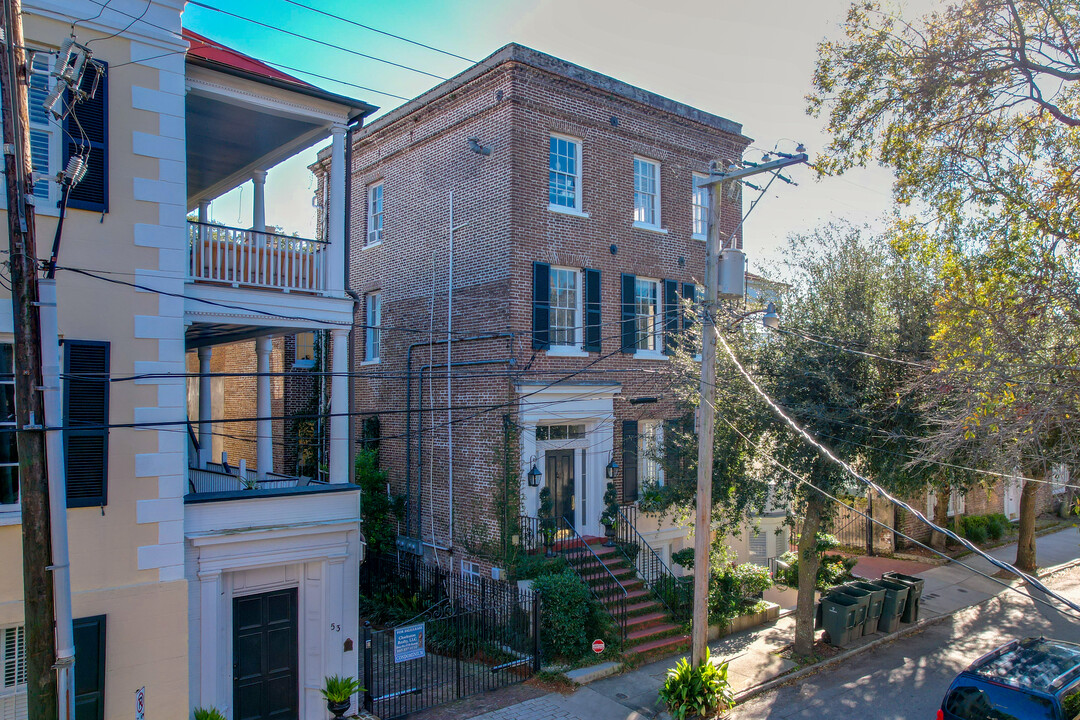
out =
column 577, row 230
column 184, row 583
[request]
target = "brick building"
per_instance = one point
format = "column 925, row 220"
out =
column 577, row 231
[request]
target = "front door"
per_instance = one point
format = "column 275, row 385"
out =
column 1012, row 498
column 265, row 678
column 560, row 480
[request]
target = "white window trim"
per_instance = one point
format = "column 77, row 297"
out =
column 370, row 358
column 471, row 568
column 303, row 363
column 658, row 225
column 577, row 209
column 371, row 217
column 657, row 432
column 45, row 205
column 657, row 353
column 957, row 503
column 575, row 348
column 694, row 206
column 11, row 514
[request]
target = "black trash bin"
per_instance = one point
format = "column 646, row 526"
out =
column 892, row 608
column 863, row 598
column 839, row 615
column 911, row 612
column 877, row 598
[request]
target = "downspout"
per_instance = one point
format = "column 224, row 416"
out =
column 408, row 423
column 348, row 287
column 420, row 438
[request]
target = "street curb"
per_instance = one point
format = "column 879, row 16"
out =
column 817, row 667
column 910, row 630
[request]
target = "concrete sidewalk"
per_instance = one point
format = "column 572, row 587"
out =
column 752, row 654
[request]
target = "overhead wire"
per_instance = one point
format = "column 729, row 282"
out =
column 1031, row 580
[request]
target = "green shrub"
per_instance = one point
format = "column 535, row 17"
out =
column 994, row 529
column 751, row 580
column 570, row 617
column 530, row 567
column 338, row 689
column 684, row 557
column 701, row 690
column 976, row 533
column 209, row 713
column 834, row 570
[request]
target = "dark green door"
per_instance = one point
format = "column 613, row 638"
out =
column 89, row 667
column 560, row 480
column 265, row 685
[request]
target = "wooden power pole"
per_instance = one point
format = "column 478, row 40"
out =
column 29, row 408
column 725, row 277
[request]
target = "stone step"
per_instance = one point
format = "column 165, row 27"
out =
column 652, row 631
column 647, row 619
column 668, row 645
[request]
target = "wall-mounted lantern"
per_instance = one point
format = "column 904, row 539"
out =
column 534, row 476
column 612, row 469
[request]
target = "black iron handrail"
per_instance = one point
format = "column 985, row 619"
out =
column 601, row 582
column 675, row 594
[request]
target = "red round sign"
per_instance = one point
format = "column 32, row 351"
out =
column 598, row 646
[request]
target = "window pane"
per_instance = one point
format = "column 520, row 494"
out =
column 563, row 173
column 9, row 485
column 645, row 307
column 563, row 314
column 7, row 362
column 9, row 451
column 7, row 403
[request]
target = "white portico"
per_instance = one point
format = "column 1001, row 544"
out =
column 567, row 432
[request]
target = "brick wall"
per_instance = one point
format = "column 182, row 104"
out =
column 502, row 201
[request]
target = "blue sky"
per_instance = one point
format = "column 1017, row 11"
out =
column 748, row 61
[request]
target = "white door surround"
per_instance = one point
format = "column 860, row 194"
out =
column 570, row 404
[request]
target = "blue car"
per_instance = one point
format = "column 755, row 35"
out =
column 1030, row 679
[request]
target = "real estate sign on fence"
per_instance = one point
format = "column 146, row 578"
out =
column 409, row 643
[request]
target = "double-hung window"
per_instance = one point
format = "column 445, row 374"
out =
column 565, row 307
column 9, row 451
column 305, row 350
column 13, row 669
column 564, row 173
column 647, row 324
column 646, row 193
column 374, row 214
column 373, row 331
column 650, row 445
column 700, row 208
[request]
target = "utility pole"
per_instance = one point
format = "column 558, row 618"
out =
column 33, row 482
column 725, row 277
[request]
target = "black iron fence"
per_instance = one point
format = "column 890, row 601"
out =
column 676, row 594
column 852, row 529
column 432, row 636
column 602, row 583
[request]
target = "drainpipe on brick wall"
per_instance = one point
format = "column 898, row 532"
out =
column 357, row 300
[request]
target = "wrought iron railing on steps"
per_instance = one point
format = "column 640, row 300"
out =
column 603, row 584
column 673, row 591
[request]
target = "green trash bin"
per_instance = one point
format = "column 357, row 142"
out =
column 839, row 615
column 877, row 597
column 892, row 608
column 911, row 612
column 863, row 598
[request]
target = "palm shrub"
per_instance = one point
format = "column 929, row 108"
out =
column 700, row 690
column 209, row 713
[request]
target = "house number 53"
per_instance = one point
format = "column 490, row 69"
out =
column 335, row 627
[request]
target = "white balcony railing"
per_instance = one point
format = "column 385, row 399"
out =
column 234, row 256
column 210, row 481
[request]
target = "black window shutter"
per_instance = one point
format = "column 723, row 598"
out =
column 629, row 313
column 86, row 414
column 629, row 460
column 671, row 316
column 93, row 120
column 689, row 318
column 541, row 305
column 592, row 311
column 90, row 669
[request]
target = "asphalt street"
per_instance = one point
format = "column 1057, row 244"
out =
column 906, row 679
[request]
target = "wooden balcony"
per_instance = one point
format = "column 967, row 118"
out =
column 247, row 258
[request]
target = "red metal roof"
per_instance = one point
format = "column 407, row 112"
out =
column 207, row 49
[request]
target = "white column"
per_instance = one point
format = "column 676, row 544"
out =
column 209, row 637
column 264, row 447
column 204, row 211
column 339, row 406
column 258, row 203
column 335, row 257
column 206, row 408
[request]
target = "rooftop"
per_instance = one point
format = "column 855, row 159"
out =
column 1032, row 664
column 514, row 52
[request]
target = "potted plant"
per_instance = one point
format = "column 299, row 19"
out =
column 610, row 516
column 208, row 713
column 547, row 521
column 338, row 692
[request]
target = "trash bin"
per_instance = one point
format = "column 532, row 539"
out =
column 892, row 608
column 877, row 597
column 911, row 612
column 863, row 598
column 840, row 617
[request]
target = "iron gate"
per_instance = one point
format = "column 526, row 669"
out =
column 850, row 525
column 475, row 634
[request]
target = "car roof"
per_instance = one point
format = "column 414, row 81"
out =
column 1037, row 664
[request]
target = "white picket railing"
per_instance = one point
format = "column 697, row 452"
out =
column 235, row 256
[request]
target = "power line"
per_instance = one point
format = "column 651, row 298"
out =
column 803, row 481
column 381, row 32
column 870, row 483
column 253, row 21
